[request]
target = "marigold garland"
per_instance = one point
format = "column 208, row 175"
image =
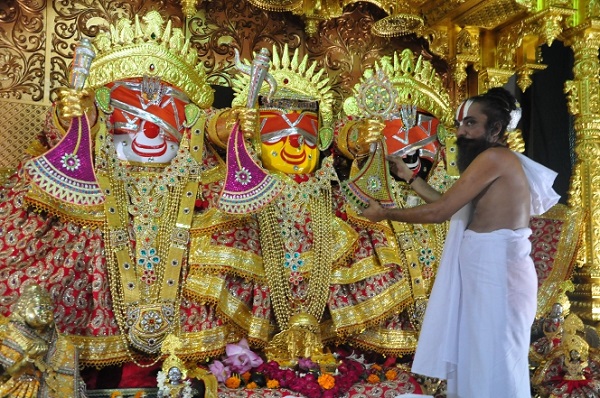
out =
column 326, row 381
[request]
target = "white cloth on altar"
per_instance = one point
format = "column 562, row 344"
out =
column 437, row 352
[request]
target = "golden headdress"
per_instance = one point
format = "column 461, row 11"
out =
column 411, row 81
column 149, row 48
column 296, row 80
column 382, row 94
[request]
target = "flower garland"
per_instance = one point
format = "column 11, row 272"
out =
column 242, row 368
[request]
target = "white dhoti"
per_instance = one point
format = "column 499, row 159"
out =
column 476, row 328
column 497, row 308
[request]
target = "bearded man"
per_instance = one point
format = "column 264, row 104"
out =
column 477, row 325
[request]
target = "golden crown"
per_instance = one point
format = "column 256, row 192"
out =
column 149, row 48
column 404, row 80
column 295, row 80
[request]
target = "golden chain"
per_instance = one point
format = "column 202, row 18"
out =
column 271, row 244
column 118, row 180
column 272, row 247
column 320, row 277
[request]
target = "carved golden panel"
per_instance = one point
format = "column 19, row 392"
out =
column 491, row 14
column 20, row 124
column 22, row 49
column 219, row 27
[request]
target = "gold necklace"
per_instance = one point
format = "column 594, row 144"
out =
column 309, row 203
column 145, row 284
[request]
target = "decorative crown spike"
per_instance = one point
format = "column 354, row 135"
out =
column 415, row 82
column 149, row 48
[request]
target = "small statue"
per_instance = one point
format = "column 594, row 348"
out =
column 34, row 360
column 575, row 363
column 175, row 378
column 552, row 326
column 575, row 349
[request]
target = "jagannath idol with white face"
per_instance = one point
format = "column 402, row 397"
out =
column 297, row 261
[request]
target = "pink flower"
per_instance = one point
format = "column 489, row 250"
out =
column 307, row 364
column 240, row 358
column 220, row 371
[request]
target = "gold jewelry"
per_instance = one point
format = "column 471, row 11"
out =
column 212, row 126
column 149, row 49
column 145, row 284
column 342, row 139
column 282, row 257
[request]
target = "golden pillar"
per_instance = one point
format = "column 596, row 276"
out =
column 583, row 94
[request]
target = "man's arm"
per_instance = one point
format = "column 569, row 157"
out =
column 482, row 172
column 419, row 185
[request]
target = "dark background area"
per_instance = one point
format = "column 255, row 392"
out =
column 546, row 123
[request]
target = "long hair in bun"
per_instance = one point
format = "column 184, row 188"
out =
column 500, row 106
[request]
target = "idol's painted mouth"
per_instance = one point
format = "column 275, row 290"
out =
column 147, row 150
column 293, row 159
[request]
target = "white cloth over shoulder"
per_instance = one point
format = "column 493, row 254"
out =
column 541, row 178
column 437, row 350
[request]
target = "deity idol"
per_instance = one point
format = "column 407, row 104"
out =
column 35, row 361
column 115, row 182
column 300, row 270
column 403, row 102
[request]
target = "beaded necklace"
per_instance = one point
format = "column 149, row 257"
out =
column 153, row 211
column 307, row 203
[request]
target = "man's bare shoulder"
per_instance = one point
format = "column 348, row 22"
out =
column 501, row 157
column 505, row 201
column 499, row 153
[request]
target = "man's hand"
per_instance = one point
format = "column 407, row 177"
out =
column 399, row 168
column 374, row 212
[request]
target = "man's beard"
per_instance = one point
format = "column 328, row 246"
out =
column 469, row 149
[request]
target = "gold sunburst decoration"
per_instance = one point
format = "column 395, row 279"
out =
column 297, row 79
column 149, row 48
column 414, row 82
